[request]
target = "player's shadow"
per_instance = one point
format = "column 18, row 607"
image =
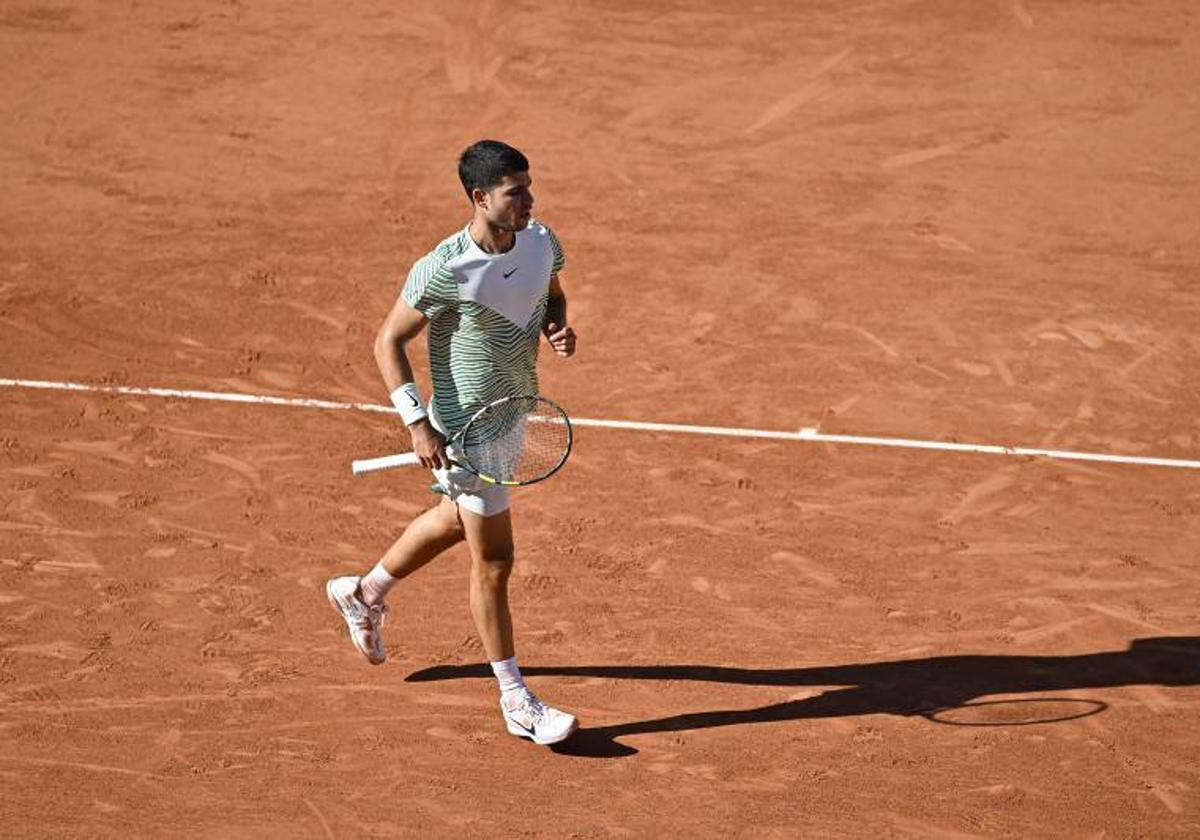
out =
column 906, row 687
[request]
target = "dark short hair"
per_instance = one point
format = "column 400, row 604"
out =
column 483, row 165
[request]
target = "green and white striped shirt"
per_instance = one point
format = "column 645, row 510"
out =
column 486, row 313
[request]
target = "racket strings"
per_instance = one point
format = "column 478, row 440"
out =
column 518, row 440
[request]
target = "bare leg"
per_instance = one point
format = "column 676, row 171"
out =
column 491, row 544
column 427, row 536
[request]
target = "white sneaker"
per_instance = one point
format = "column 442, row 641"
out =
column 530, row 718
column 364, row 622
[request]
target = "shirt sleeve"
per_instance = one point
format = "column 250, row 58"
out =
column 430, row 287
column 556, row 249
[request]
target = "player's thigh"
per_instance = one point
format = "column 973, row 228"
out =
column 489, row 538
column 445, row 514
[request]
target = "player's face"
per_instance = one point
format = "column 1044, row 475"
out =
column 508, row 204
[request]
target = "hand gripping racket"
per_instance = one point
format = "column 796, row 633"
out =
column 513, row 441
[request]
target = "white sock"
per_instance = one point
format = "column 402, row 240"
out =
column 509, row 676
column 375, row 584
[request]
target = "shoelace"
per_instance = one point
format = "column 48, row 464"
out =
column 372, row 616
column 532, row 705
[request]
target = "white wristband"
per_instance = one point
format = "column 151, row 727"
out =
column 407, row 400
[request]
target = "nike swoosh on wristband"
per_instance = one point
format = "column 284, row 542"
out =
column 413, row 400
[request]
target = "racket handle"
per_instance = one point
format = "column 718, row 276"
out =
column 405, row 459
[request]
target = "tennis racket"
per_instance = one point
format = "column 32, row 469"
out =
column 512, row 442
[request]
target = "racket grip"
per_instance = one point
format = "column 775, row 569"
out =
column 405, row 459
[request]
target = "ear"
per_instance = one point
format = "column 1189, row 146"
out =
column 479, row 198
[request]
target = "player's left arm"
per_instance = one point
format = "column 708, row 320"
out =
column 560, row 335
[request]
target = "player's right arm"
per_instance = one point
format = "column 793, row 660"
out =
column 403, row 324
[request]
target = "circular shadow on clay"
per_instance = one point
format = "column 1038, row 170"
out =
column 1017, row 712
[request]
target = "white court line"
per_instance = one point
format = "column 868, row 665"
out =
column 191, row 395
column 808, row 434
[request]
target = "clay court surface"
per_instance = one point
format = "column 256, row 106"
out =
column 949, row 221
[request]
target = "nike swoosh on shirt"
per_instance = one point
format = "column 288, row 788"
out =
column 508, row 274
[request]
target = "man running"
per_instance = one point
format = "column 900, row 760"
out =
column 487, row 293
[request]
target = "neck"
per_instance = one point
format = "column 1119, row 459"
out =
column 490, row 238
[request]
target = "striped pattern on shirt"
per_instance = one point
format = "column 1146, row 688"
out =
column 486, row 313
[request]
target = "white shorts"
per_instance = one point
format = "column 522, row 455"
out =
column 470, row 492
column 464, row 488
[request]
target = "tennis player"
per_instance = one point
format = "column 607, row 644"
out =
column 488, row 293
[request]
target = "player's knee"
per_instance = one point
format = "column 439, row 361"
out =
column 494, row 568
